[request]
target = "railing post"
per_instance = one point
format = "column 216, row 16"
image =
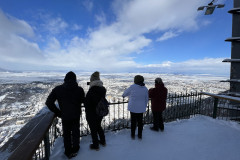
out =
column 147, row 115
column 215, row 108
column 199, row 103
column 47, row 146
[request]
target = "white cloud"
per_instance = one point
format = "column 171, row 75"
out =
column 113, row 43
column 206, row 65
column 76, row 27
column 14, row 48
column 82, row 55
column 11, row 25
column 205, row 22
column 101, row 18
column 53, row 45
column 163, row 64
column 88, row 5
column 107, row 46
column 50, row 24
column 138, row 16
column 55, row 25
column 167, row 35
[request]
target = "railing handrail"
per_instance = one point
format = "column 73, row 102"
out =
column 236, row 99
column 17, row 147
column 216, row 101
column 24, row 145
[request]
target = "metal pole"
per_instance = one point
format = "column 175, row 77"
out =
column 215, row 108
column 47, row 146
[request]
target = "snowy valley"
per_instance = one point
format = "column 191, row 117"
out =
column 22, row 95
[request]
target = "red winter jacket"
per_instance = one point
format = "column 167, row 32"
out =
column 158, row 97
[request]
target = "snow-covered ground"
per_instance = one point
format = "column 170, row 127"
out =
column 198, row 138
column 22, row 95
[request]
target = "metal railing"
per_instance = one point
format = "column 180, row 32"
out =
column 46, row 145
column 221, row 106
column 179, row 106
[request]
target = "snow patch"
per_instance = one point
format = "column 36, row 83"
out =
column 198, row 138
column 2, row 97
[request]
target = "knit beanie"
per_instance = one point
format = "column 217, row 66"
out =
column 158, row 81
column 138, row 79
column 95, row 76
column 70, row 76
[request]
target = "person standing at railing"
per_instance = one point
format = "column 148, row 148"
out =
column 138, row 99
column 158, row 97
column 94, row 95
column 70, row 96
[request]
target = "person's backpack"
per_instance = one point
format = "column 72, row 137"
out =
column 102, row 107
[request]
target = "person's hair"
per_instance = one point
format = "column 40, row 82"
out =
column 138, row 79
column 158, row 81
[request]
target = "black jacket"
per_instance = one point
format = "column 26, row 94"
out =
column 70, row 97
column 93, row 96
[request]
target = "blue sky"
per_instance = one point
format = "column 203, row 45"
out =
column 114, row 36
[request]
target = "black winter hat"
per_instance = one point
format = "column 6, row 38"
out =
column 70, row 76
column 138, row 79
column 95, row 76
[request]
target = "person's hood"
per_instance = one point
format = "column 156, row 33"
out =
column 70, row 76
column 70, row 84
column 98, row 83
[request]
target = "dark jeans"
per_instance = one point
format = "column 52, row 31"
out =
column 136, row 119
column 158, row 120
column 96, row 129
column 71, row 135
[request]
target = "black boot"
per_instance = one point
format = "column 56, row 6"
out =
column 94, row 147
column 161, row 127
column 75, row 152
column 139, row 136
column 133, row 136
column 154, row 129
column 103, row 143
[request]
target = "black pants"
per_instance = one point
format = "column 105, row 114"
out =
column 96, row 129
column 158, row 120
column 71, row 135
column 136, row 119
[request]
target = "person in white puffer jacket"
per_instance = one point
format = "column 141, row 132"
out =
column 138, row 100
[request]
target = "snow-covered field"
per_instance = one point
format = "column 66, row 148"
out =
column 198, row 138
column 22, row 95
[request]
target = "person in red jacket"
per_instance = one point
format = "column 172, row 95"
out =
column 158, row 97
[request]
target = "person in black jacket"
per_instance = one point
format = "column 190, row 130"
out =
column 95, row 93
column 69, row 96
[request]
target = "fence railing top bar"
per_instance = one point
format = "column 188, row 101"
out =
column 231, row 98
column 120, row 102
column 25, row 142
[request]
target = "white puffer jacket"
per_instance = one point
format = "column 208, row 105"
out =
column 138, row 98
